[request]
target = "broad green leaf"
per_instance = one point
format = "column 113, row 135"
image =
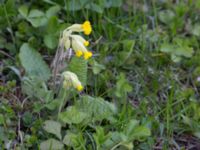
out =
column 97, row 68
column 23, row 10
column 128, row 145
column 140, row 132
column 52, row 105
column 10, row 8
column 131, row 125
column 75, row 140
column 35, row 13
column 53, row 127
column 79, row 67
column 51, row 144
column 37, row 18
column 52, row 11
column 167, row 48
column 123, row 86
column 53, row 26
column 175, row 58
column 33, row 63
column 100, row 136
column 115, row 137
column 50, row 41
column 134, row 131
column 166, row 16
column 178, row 50
column 72, row 115
column 35, row 87
column 69, row 138
column 96, row 108
column 195, row 30
column 183, row 51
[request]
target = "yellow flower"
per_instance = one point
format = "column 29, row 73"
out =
column 78, row 45
column 79, row 53
column 71, row 79
column 86, row 43
column 66, row 84
column 79, row 88
column 87, row 55
column 87, row 29
column 80, row 39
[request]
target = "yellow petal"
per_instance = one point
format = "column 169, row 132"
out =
column 79, row 53
column 87, row 55
column 79, row 87
column 86, row 43
column 87, row 29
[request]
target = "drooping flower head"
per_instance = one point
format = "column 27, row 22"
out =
column 85, row 27
column 71, row 80
column 77, row 42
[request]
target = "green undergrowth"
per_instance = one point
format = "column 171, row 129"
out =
column 141, row 87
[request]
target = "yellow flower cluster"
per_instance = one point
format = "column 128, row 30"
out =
column 77, row 42
column 71, row 79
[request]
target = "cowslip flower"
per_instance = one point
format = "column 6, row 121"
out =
column 80, row 49
column 71, row 80
column 86, row 28
column 77, row 42
column 81, row 39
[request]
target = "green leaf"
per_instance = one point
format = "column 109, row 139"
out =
column 195, row 30
column 51, row 144
column 134, row 131
column 33, row 63
column 96, row 108
column 37, row 18
column 79, row 67
column 23, row 10
column 123, row 86
column 175, row 58
column 184, row 51
column 97, row 68
column 53, row 127
column 52, row 11
column 72, row 115
column 140, row 132
column 166, row 16
column 75, row 140
column 34, row 13
column 1, row 119
column 50, row 41
column 131, row 125
column 10, row 8
column 69, row 138
column 53, row 25
column 178, row 50
column 167, row 48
